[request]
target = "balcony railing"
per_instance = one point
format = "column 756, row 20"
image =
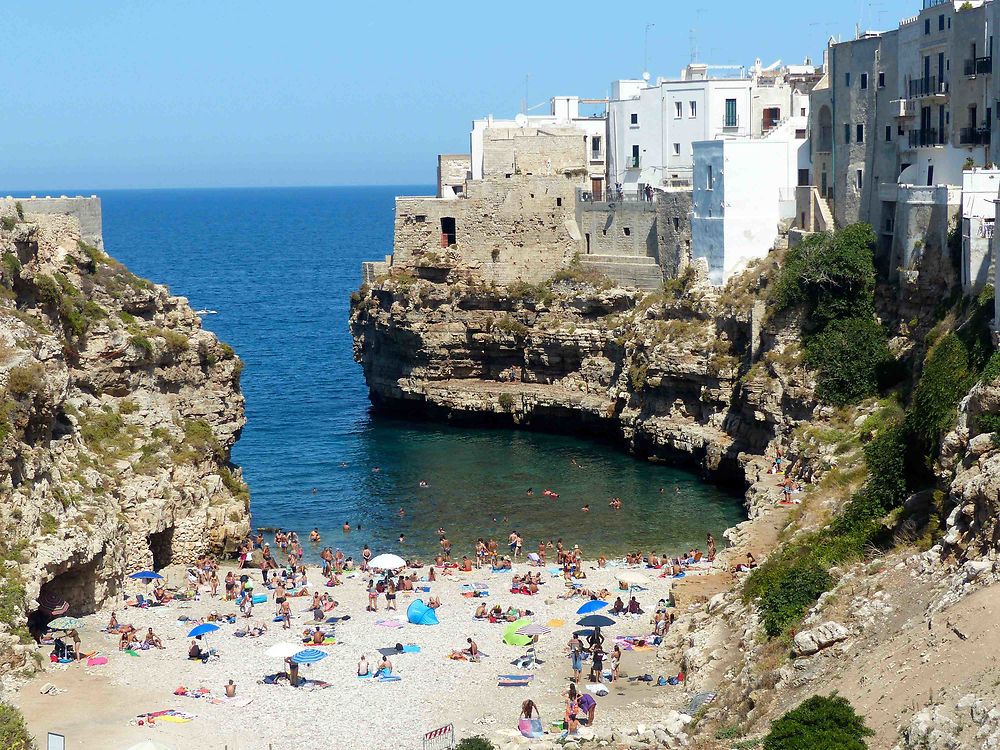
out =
column 730, row 122
column 632, row 162
column 974, row 136
column 927, row 87
column 926, row 137
column 907, row 107
column 979, row 66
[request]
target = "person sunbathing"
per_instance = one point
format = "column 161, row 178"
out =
column 127, row 640
column 633, row 607
column 434, row 602
column 618, row 607
column 162, row 595
column 363, row 669
column 152, row 639
column 384, row 668
column 481, row 613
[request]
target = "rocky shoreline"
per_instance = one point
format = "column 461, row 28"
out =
column 119, row 415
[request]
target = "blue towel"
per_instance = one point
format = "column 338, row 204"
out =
column 411, row 648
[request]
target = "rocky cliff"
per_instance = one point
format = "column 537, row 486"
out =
column 659, row 372
column 119, row 412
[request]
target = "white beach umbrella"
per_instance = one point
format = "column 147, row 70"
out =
column 149, row 745
column 283, row 650
column 631, row 576
column 387, row 562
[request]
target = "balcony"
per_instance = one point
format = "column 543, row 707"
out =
column 597, row 155
column 927, row 87
column 632, row 162
column 979, row 66
column 974, row 136
column 905, row 108
column 730, row 123
column 926, row 137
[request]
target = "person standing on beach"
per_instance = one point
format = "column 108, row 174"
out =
column 711, row 547
column 576, row 656
column 286, row 614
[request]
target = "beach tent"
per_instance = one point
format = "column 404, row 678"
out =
column 510, row 636
column 419, row 613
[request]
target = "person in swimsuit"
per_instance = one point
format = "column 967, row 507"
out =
column 390, row 597
column 363, row 669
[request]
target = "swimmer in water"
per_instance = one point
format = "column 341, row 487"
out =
column 530, row 492
column 402, row 538
column 375, row 469
column 586, row 508
column 314, row 490
column 347, row 527
column 423, row 483
column 314, row 535
column 401, row 512
column 343, row 464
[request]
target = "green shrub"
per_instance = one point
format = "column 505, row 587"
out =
column 830, row 723
column 19, row 209
column 522, row 290
column 13, row 730
column 144, row 345
column 234, row 484
column 506, row 401
column 200, row 440
column 475, row 743
column 11, row 267
column 848, row 355
column 832, row 276
column 48, row 290
column 8, row 222
column 507, row 324
column 25, row 380
column 947, row 376
column 793, row 589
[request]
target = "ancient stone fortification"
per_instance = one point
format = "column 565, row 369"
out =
column 85, row 209
column 118, row 415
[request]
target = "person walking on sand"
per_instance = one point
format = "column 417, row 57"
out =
column 616, row 660
column 286, row 614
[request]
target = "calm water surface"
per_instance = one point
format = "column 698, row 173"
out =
column 276, row 268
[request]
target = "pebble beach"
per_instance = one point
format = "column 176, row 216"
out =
column 433, row 691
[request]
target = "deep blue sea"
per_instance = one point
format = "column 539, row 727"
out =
column 276, row 267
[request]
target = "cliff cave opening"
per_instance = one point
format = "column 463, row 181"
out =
column 161, row 544
column 77, row 586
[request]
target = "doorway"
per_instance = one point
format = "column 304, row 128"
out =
column 447, row 231
column 597, row 188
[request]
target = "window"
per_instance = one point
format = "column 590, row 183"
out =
column 888, row 133
column 558, row 201
column 930, row 174
column 634, row 118
column 802, row 112
column 941, row 22
column 730, row 121
column 634, row 161
column 864, row 80
column 692, row 109
column 800, row 134
column 677, row 223
column 595, row 146
column 858, row 178
column 847, row 79
column 709, row 179
column 627, row 231
column 678, row 110
column 803, row 177
column 927, row 26
column 860, row 133
column 677, row 149
column 420, row 218
column 881, row 80
column 847, row 132
column 447, row 231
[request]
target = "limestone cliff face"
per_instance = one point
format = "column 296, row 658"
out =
column 118, row 415
column 665, row 373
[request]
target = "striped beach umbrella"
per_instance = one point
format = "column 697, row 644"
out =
column 535, row 628
column 309, row 656
column 53, row 604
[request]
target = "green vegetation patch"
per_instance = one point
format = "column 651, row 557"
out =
column 829, row 722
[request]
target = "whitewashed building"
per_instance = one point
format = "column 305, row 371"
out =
column 652, row 128
column 743, row 189
column 980, row 192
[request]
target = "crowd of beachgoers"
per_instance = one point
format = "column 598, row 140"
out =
column 305, row 613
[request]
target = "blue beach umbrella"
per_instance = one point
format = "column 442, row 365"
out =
column 204, row 629
column 309, row 656
column 146, row 575
column 592, row 606
column 595, row 621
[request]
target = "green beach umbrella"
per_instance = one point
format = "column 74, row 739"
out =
column 510, row 636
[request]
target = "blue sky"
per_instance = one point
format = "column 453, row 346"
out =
column 118, row 93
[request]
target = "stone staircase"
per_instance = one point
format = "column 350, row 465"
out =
column 631, row 271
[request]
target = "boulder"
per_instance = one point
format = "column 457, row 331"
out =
column 822, row 636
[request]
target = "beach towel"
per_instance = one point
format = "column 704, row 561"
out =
column 411, row 648
column 131, row 652
column 512, row 683
column 388, row 678
column 516, row 677
column 96, row 661
column 531, row 728
column 238, row 701
column 389, row 623
column 597, row 688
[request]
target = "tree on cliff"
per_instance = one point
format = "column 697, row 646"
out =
column 830, row 723
column 832, row 277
